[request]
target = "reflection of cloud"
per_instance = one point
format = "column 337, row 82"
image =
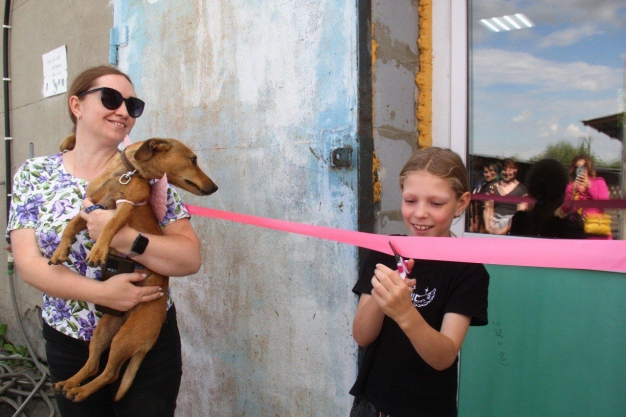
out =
column 573, row 130
column 569, row 36
column 522, row 116
column 495, row 66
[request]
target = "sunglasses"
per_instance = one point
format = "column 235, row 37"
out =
column 112, row 100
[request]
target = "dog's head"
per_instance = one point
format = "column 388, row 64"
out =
column 155, row 157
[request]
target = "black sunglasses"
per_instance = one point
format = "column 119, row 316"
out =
column 112, row 100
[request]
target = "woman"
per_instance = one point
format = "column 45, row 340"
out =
column 498, row 216
column 491, row 173
column 585, row 185
column 48, row 192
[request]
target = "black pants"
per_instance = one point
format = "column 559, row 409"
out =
column 152, row 393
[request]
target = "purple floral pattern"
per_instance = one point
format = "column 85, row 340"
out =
column 45, row 198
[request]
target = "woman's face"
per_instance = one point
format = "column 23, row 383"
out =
column 97, row 120
column 489, row 173
column 582, row 163
column 509, row 173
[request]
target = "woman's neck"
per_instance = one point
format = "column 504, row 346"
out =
column 87, row 162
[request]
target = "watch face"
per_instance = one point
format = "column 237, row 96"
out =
column 140, row 244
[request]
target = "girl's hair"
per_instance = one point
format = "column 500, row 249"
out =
column 443, row 163
column 86, row 80
column 496, row 166
column 509, row 162
column 588, row 161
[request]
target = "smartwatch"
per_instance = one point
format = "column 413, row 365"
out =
column 139, row 246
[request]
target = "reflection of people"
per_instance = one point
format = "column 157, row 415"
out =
column 48, row 193
column 491, row 173
column 585, row 185
column 498, row 216
column 413, row 333
column 546, row 181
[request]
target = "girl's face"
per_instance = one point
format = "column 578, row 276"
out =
column 99, row 121
column 429, row 204
column 489, row 173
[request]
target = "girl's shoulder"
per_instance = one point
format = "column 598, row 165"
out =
column 48, row 163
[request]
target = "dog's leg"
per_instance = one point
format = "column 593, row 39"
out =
column 100, row 250
column 105, row 331
column 133, row 340
column 73, row 227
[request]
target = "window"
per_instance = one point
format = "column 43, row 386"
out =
column 545, row 80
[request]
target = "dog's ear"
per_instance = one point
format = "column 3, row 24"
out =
column 150, row 147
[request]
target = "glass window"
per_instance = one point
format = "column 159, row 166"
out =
column 546, row 83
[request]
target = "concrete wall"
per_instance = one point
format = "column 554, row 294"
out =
column 39, row 26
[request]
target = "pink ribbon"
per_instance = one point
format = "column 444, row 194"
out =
column 597, row 255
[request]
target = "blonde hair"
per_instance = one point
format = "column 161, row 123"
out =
column 441, row 162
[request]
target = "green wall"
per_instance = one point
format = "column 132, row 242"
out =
column 554, row 346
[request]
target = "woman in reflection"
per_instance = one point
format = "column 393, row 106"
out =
column 498, row 215
column 491, row 173
column 546, row 181
column 585, row 185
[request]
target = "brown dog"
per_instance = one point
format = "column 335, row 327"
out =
column 128, row 178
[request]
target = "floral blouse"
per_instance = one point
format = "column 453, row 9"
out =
column 45, row 198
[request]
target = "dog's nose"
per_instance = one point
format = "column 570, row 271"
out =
column 211, row 190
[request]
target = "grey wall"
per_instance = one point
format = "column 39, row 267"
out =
column 38, row 27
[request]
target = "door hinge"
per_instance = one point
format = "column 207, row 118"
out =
column 117, row 37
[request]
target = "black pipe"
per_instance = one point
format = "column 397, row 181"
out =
column 7, row 119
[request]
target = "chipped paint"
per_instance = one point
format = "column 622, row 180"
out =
column 262, row 91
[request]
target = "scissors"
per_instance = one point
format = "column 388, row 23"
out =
column 403, row 267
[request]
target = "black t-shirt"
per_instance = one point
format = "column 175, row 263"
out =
column 392, row 375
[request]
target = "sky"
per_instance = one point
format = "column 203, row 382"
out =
column 532, row 87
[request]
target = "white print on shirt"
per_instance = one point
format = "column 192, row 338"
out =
column 424, row 299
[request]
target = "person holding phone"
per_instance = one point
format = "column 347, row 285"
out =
column 584, row 185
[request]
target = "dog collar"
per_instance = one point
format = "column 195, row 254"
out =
column 125, row 178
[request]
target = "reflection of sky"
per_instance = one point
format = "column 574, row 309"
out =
column 532, row 87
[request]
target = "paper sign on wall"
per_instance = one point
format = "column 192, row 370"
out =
column 55, row 72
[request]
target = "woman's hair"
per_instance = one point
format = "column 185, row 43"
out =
column 509, row 162
column 546, row 182
column 443, row 163
column 591, row 171
column 86, row 80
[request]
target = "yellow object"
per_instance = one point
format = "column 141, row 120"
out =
column 598, row 224
column 424, row 78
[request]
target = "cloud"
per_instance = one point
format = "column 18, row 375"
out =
column 522, row 116
column 569, row 36
column 496, row 66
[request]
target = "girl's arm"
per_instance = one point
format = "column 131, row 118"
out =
column 367, row 322
column 438, row 348
column 58, row 281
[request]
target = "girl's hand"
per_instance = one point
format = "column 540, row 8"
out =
column 392, row 293
column 121, row 294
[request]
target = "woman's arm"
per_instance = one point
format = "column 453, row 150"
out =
column 58, row 281
column 175, row 253
column 438, row 348
column 598, row 189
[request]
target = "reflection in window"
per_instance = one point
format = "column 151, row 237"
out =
column 546, row 82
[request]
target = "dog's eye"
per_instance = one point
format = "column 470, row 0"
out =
column 194, row 160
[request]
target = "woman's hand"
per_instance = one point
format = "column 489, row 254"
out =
column 96, row 219
column 392, row 293
column 121, row 294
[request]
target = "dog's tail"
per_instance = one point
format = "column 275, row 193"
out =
column 129, row 374
column 68, row 143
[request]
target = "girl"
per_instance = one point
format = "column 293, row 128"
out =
column 47, row 194
column 414, row 330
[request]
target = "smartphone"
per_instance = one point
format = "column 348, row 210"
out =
column 580, row 171
column 115, row 265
